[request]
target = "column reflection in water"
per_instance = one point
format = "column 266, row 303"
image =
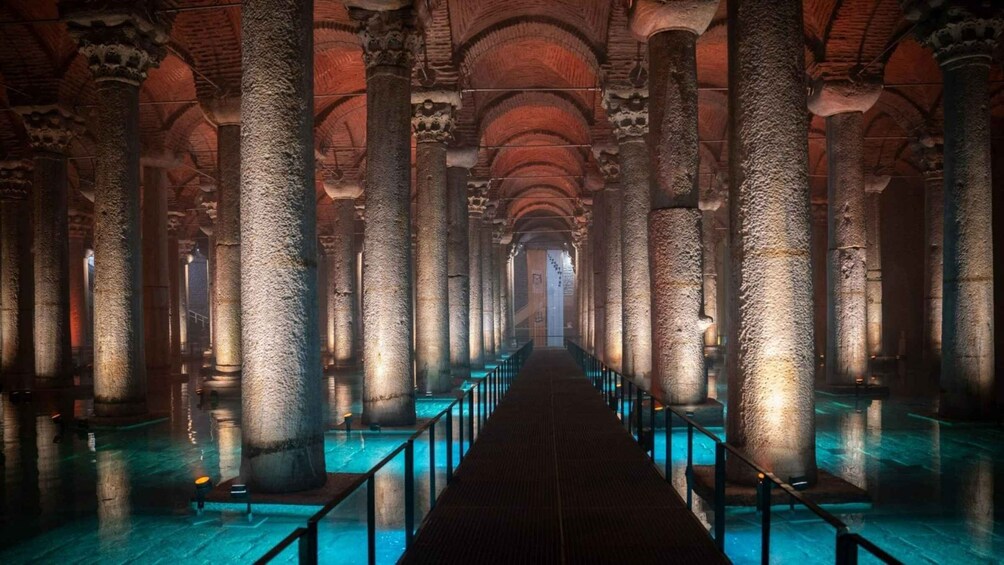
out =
column 390, row 495
column 339, row 400
column 874, row 441
column 46, row 432
column 226, row 414
column 852, row 439
column 977, row 501
column 113, row 491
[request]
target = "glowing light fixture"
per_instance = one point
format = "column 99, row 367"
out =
column 202, row 487
column 799, row 483
column 348, row 422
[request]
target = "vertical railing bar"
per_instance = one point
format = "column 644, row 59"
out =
column 432, row 467
column 765, row 486
column 371, row 519
column 409, row 493
column 720, row 495
column 690, row 466
column 449, row 446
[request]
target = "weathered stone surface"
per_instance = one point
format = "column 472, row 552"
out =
column 650, row 17
column 874, row 185
column 487, row 290
column 227, row 240
column 282, row 419
column 340, row 259
column 458, row 266
column 156, row 301
column 476, row 209
column 771, row 415
column 16, row 281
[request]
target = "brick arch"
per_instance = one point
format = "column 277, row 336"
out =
column 340, row 121
column 510, row 159
column 32, row 56
column 856, row 32
column 541, row 197
column 520, row 188
column 211, row 42
column 559, row 102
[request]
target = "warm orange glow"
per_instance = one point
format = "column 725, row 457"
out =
column 201, row 480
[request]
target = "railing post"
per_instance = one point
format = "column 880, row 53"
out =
column 409, row 493
column 720, row 495
column 432, row 467
column 371, row 519
column 303, row 551
column 669, row 443
column 651, row 422
column 311, row 544
column 449, row 446
column 847, row 548
column 690, row 466
column 460, row 429
column 470, row 420
column 639, row 402
column 765, row 486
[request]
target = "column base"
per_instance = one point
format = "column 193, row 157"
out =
column 829, row 489
column 399, row 411
column 223, row 381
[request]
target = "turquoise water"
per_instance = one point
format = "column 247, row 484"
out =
column 124, row 495
column 937, row 490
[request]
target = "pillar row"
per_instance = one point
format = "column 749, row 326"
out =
column 607, row 156
column 120, row 45
column 174, row 273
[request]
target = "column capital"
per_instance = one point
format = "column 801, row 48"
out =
column 433, row 114
column 477, row 204
column 15, row 179
column 161, row 158
column 388, row 37
column 79, row 223
column 929, row 152
column 222, row 110
column 120, row 39
column 828, row 96
column 50, row 127
column 959, row 32
column 361, row 212
column 174, row 222
column 627, row 110
column 209, row 207
column 649, row 17
column 607, row 159
column 462, row 157
column 876, row 184
column 343, row 189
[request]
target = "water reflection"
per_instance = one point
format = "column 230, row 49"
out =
column 977, row 502
column 113, row 491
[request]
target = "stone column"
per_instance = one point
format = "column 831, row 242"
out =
column 874, row 185
column 627, row 110
column 843, row 104
column 282, row 414
column 588, row 305
column 79, row 226
column 185, row 247
column 225, row 113
column 488, row 286
column 341, row 260
column 388, row 40
column 458, row 259
column 50, row 129
column 497, row 288
column 174, row 222
column 929, row 153
column 674, row 225
column 771, row 411
column 613, row 338
column 477, row 201
column 120, row 44
column 598, row 261
column 156, row 287
column 16, row 282
column 433, row 123
column 963, row 36
column 505, row 307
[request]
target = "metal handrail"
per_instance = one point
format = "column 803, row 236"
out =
column 847, row 543
column 490, row 390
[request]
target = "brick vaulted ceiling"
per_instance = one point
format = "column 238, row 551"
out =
column 529, row 72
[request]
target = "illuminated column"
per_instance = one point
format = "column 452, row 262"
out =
column 588, row 306
column 340, row 257
column 674, row 224
column 174, row 221
column 843, row 104
column 120, row 44
column 225, row 113
column 458, row 259
column 613, row 337
column 388, row 40
column 963, row 36
column 599, row 287
column 929, row 153
column 874, row 185
column 433, row 123
column 627, row 110
column 282, row 416
column 477, row 201
column 50, row 129
column 771, row 414
column 505, row 307
column 79, row 225
column 497, row 282
column 17, row 359
column 185, row 247
column 488, row 285
column 710, row 244
column 156, row 288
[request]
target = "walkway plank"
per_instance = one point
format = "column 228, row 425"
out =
column 554, row 478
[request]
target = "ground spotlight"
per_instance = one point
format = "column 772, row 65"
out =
column 348, row 422
column 240, row 492
column 202, row 487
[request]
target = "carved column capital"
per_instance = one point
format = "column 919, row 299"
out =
column 627, row 110
column 433, row 114
column 222, row 110
column 174, row 222
column 960, row 33
column 79, row 224
column 120, row 40
column 50, row 128
column 929, row 153
column 15, row 180
column 388, row 37
column 328, row 244
column 608, row 160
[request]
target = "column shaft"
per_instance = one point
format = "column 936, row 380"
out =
column 432, row 316
column 873, row 289
column 487, row 291
column 342, row 285
column 173, row 288
column 934, row 256
column 497, row 297
column 156, row 298
column 614, row 338
column 846, row 313
column 458, row 267
column 16, row 291
column 637, row 290
column 227, row 256
column 477, row 329
column 771, row 412
column 53, row 354
column 79, row 320
column 283, row 436
column 599, row 286
column 505, row 308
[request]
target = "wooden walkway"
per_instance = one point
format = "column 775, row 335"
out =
column 554, row 478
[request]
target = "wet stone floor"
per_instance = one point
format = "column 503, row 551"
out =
column 75, row 495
